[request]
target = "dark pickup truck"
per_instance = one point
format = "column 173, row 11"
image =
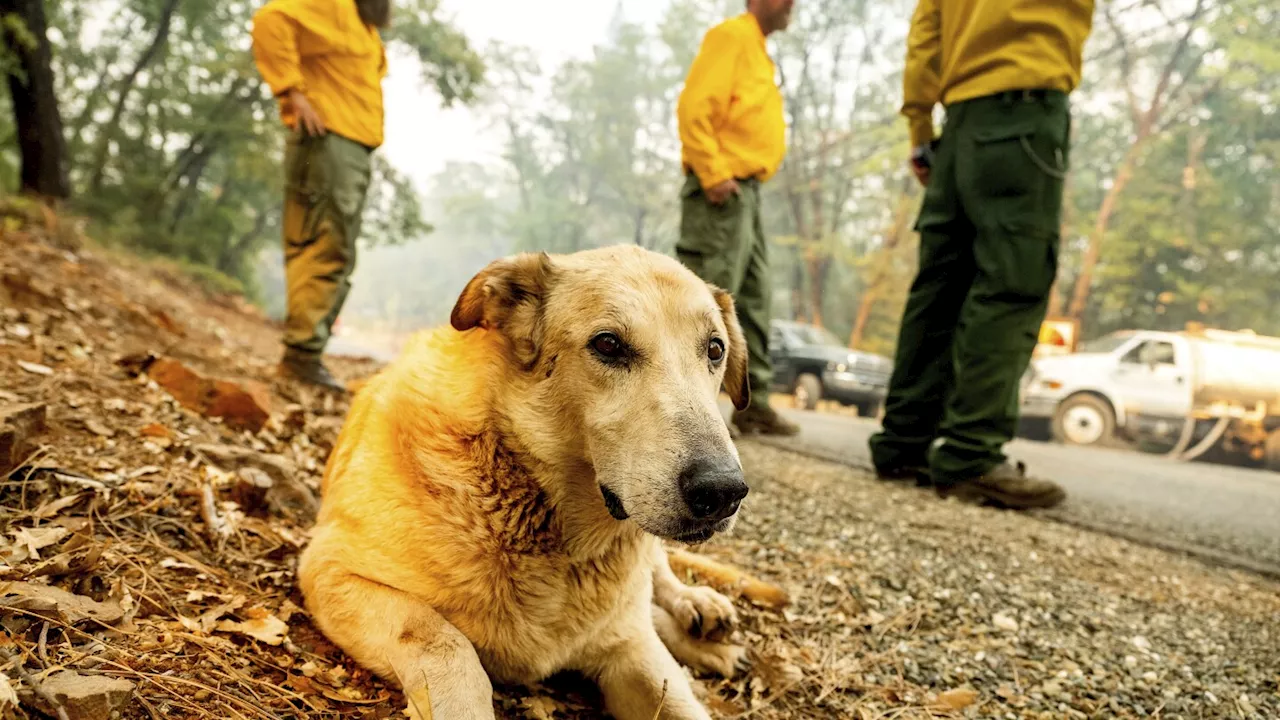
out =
column 812, row 365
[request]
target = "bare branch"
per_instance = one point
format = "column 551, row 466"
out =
column 1158, row 98
column 1175, row 117
column 1126, row 67
column 1186, row 76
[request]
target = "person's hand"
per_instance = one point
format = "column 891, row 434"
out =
column 921, row 162
column 921, row 172
column 718, row 194
column 308, row 118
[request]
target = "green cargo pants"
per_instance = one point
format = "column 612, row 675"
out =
column 725, row 246
column 326, row 180
column 989, row 229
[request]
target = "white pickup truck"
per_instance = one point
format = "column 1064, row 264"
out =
column 1185, row 392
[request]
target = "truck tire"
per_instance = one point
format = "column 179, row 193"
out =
column 808, row 391
column 1085, row 420
column 1271, row 455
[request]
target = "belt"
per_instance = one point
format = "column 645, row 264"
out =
column 752, row 180
column 1029, row 95
column 1011, row 97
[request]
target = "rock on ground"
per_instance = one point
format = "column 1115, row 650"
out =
column 83, row 697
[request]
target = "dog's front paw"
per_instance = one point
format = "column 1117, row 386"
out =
column 727, row 661
column 705, row 614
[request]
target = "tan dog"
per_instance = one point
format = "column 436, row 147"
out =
column 496, row 499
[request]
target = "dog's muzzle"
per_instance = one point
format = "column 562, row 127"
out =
column 613, row 504
column 712, row 489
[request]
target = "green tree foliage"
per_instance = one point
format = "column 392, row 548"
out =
column 175, row 143
column 1193, row 237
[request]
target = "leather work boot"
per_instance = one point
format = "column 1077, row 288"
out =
column 918, row 473
column 763, row 421
column 1008, row 486
column 308, row 368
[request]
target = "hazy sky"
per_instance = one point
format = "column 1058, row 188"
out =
column 421, row 136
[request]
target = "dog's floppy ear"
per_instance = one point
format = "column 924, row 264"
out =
column 498, row 292
column 735, row 375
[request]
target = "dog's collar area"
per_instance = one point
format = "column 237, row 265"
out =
column 613, row 504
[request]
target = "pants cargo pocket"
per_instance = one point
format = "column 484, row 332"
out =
column 308, row 175
column 1019, row 262
column 712, row 236
column 1017, row 172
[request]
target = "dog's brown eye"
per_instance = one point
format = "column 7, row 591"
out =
column 608, row 345
column 715, row 350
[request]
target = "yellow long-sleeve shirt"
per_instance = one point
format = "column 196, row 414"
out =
column 730, row 110
column 963, row 49
column 323, row 49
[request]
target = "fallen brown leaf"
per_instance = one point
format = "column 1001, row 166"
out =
column 35, row 368
column 539, row 708
column 46, row 599
column 98, row 428
column 7, row 694
column 28, row 542
column 958, row 699
column 53, row 507
column 350, row 696
column 269, row 629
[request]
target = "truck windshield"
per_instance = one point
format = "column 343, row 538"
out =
column 1106, row 343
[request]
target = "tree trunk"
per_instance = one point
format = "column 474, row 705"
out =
column 1084, row 281
column 99, row 165
column 797, row 285
column 817, row 267
column 893, row 236
column 869, row 301
column 35, row 105
column 192, row 190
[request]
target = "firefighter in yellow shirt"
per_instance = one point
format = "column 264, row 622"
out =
column 324, row 60
column 989, row 229
column 733, row 138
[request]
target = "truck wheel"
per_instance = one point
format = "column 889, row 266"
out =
column 1084, row 420
column 1271, row 456
column 808, row 391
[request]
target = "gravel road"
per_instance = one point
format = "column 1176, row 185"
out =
column 1220, row 512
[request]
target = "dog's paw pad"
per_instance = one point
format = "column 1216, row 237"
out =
column 706, row 614
column 728, row 661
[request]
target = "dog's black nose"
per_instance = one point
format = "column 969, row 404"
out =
column 712, row 489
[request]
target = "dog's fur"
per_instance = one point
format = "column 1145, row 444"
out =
column 464, row 532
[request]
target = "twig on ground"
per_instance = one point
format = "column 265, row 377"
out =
column 661, row 701
column 43, row 648
column 214, row 525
